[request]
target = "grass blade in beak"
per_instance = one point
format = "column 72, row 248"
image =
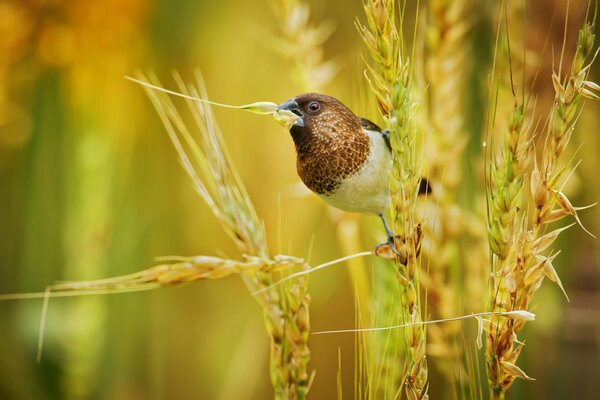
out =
column 284, row 117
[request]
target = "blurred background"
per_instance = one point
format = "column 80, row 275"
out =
column 90, row 187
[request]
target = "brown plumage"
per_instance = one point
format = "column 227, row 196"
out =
column 331, row 145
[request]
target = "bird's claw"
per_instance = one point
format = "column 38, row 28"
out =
column 390, row 242
column 390, row 250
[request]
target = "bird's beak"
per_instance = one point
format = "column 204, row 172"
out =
column 292, row 106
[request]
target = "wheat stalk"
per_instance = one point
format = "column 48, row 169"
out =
column 446, row 62
column 517, row 227
column 389, row 77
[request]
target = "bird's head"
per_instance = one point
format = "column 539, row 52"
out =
column 320, row 116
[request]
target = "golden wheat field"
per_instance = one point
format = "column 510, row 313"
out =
column 156, row 241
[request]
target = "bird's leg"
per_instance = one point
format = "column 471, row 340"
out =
column 390, row 236
column 388, row 230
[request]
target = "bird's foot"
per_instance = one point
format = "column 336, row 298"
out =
column 391, row 250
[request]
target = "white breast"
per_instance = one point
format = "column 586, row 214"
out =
column 366, row 191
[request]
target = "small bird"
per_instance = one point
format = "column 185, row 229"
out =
column 344, row 159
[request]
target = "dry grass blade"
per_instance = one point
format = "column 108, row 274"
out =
column 520, row 315
column 284, row 117
column 314, row 269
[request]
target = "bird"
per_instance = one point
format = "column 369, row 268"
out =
column 343, row 158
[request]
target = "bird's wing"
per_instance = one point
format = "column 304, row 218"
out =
column 424, row 186
column 372, row 126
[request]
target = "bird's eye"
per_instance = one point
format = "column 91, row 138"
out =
column 314, row 106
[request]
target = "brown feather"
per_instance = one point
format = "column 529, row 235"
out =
column 332, row 146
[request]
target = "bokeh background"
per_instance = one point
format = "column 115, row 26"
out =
column 90, row 187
